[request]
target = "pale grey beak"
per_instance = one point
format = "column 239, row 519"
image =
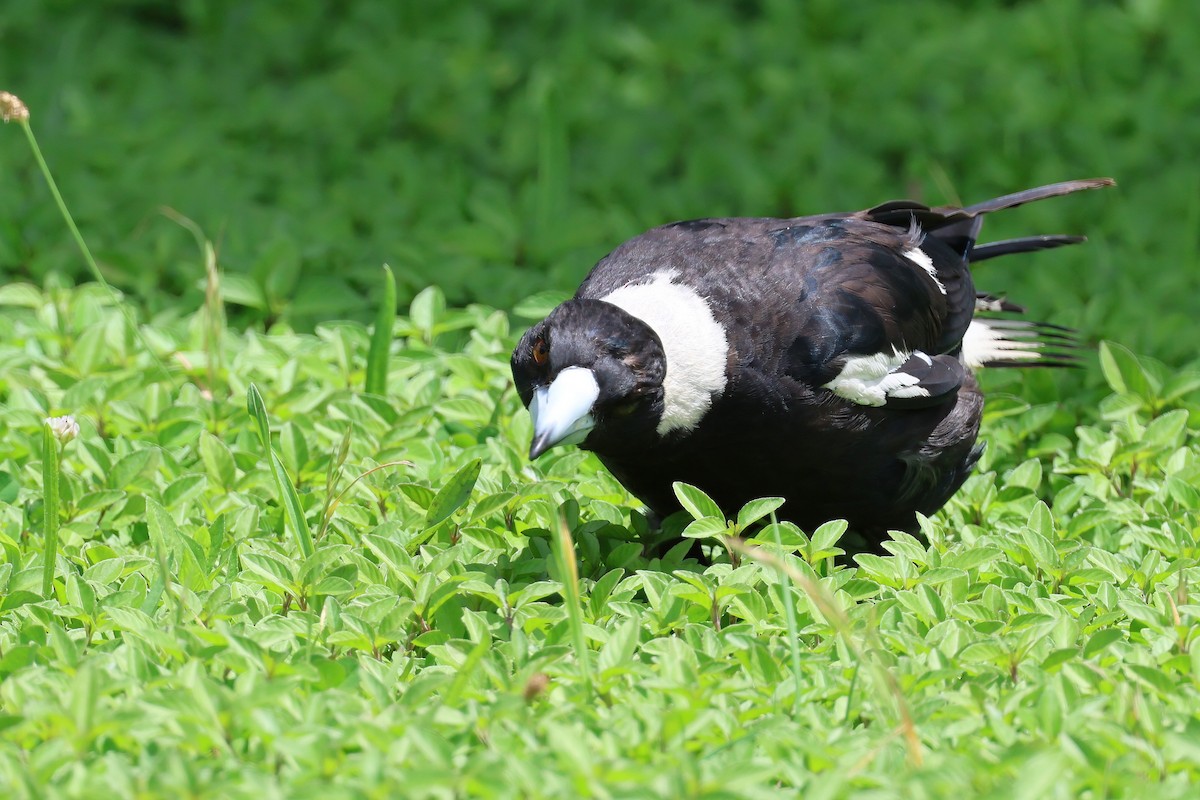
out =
column 562, row 411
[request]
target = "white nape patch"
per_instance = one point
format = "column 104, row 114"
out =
column 870, row 380
column 983, row 343
column 694, row 342
column 922, row 260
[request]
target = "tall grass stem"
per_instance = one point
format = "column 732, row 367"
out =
column 83, row 246
column 50, row 508
column 568, row 570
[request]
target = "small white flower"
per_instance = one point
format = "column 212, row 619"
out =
column 65, row 428
column 11, row 108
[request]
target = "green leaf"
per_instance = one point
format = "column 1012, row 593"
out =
column 390, row 553
column 258, row 413
column 21, row 294
column 381, row 336
column 274, row 572
column 757, row 509
column 218, row 460
column 1184, row 493
column 1165, row 431
column 1181, row 384
column 184, row 489
column 90, row 349
column 1120, row 406
column 827, row 536
column 696, row 502
column 785, row 534
column 984, row 651
column 1153, row 678
column 293, row 450
column 243, row 291
column 291, row 504
column 164, row 533
column 537, row 306
column 9, row 488
column 618, row 651
column 454, row 494
column 484, row 538
column 705, row 528
column 427, row 308
column 1041, row 521
column 489, row 505
column 972, row 557
column 1027, row 476
column 1100, row 640
column 1123, row 372
column 17, row 599
column 127, row 469
column 421, row 495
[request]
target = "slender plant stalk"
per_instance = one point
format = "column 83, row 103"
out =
column 569, row 575
column 885, row 682
column 332, row 504
column 288, row 497
column 214, row 313
column 789, row 610
column 23, row 121
column 50, row 510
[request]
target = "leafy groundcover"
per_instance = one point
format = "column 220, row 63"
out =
column 270, row 583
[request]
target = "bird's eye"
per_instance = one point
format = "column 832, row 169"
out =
column 541, row 352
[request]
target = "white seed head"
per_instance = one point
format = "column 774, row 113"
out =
column 65, row 428
column 12, row 109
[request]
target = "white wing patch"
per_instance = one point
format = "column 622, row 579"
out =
column 922, row 260
column 871, row 380
column 694, row 342
column 983, row 343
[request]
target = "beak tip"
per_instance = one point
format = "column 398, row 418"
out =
column 538, row 446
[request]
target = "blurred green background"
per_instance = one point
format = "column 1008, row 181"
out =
column 498, row 149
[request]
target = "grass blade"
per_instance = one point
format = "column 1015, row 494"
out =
column 50, row 510
column 883, row 681
column 381, row 337
column 287, row 490
column 793, row 629
column 568, row 570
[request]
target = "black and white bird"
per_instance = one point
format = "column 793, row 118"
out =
column 827, row 360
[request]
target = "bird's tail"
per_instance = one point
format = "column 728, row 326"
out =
column 999, row 341
column 994, row 338
column 960, row 226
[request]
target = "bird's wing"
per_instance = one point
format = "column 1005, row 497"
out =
column 877, row 309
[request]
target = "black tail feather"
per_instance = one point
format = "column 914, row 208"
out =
column 1004, row 342
column 1032, row 195
column 1026, row 244
column 959, row 227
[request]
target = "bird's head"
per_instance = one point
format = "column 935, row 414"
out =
column 590, row 374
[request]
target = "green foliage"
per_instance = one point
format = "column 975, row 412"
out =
column 498, row 149
column 354, row 584
column 465, row 622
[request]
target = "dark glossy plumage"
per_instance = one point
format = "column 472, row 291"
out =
column 793, row 312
